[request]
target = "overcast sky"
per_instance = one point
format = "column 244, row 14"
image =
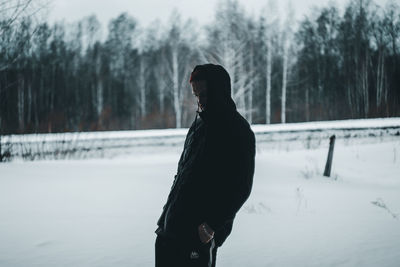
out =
column 146, row 11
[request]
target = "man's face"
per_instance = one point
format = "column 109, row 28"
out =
column 199, row 89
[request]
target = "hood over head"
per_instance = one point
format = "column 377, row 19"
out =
column 219, row 100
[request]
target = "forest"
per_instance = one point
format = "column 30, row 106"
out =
column 332, row 64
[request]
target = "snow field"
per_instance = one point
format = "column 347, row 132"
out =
column 103, row 212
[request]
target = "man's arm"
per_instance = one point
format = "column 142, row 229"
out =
column 233, row 186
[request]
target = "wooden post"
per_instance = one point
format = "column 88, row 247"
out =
column 1, row 130
column 328, row 165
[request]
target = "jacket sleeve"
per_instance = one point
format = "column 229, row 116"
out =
column 233, row 179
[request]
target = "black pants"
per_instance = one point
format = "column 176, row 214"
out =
column 172, row 253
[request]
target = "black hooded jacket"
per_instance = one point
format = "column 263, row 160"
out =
column 215, row 171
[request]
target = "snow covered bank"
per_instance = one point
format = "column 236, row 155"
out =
column 103, row 212
column 112, row 143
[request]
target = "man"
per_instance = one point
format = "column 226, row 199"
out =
column 214, row 176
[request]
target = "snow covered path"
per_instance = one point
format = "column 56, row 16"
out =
column 103, row 212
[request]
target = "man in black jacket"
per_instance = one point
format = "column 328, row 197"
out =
column 214, row 176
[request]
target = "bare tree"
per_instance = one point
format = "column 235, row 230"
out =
column 392, row 24
column 161, row 86
column 91, row 37
column 286, row 40
column 178, row 60
column 229, row 43
column 150, row 42
column 141, row 80
column 23, row 12
column 146, row 42
column 92, row 31
column 268, row 89
column 13, row 10
column 271, row 23
column 381, row 41
column 17, row 12
column 123, row 56
column 251, row 91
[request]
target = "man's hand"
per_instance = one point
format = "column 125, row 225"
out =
column 205, row 233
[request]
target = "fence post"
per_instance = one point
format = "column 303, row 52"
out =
column 328, row 165
column 1, row 152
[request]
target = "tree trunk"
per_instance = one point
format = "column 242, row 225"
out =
column 142, row 88
column 380, row 79
column 284, row 81
column 268, row 92
column 241, row 88
column 100, row 99
column 175, row 85
column 307, row 103
column 365, row 87
column 161, row 91
column 251, row 89
column 21, row 103
column 29, row 104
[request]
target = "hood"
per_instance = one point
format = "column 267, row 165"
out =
column 219, row 101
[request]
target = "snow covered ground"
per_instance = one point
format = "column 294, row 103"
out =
column 103, row 212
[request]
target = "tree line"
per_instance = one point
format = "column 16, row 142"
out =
column 330, row 65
